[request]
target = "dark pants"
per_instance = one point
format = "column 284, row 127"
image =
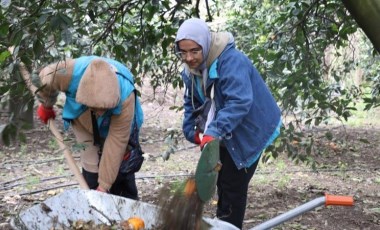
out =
column 124, row 185
column 232, row 187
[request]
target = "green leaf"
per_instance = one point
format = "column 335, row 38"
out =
column 16, row 37
column 151, row 11
column 42, row 19
column 38, row 47
column 364, row 140
column 65, row 20
column 4, row 55
column 4, row 27
column 8, row 133
column 55, row 22
column 22, row 137
column 329, row 136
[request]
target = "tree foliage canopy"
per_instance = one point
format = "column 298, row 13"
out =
column 138, row 33
column 135, row 32
column 307, row 50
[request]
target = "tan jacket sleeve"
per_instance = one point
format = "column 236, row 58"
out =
column 116, row 143
column 52, row 79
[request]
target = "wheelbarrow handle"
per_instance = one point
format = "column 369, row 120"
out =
column 53, row 128
column 324, row 200
column 338, row 200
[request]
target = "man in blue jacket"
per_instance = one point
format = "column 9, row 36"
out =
column 224, row 88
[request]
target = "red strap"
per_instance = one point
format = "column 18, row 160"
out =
column 127, row 155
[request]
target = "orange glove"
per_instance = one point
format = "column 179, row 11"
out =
column 45, row 114
column 206, row 139
column 197, row 139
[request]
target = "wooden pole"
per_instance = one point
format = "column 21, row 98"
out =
column 58, row 137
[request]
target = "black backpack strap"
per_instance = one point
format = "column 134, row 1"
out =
column 95, row 131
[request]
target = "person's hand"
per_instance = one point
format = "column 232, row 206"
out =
column 205, row 140
column 44, row 113
column 100, row 189
column 197, row 138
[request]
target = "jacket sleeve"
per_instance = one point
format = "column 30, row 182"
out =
column 52, row 79
column 236, row 95
column 116, row 143
column 188, row 125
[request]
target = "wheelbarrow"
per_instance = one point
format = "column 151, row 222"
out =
column 62, row 210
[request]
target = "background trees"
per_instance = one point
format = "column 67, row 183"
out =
column 314, row 57
column 312, row 54
column 138, row 33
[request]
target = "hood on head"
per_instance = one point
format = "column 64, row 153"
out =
column 197, row 30
column 99, row 86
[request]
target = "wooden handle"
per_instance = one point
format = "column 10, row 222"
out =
column 53, row 128
column 26, row 76
column 69, row 158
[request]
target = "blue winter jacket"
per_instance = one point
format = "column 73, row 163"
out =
column 247, row 118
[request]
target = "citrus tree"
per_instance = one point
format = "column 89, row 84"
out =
column 307, row 50
column 137, row 33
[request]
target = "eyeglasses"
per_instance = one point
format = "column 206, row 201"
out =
column 193, row 52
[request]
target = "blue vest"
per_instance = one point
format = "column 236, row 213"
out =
column 73, row 109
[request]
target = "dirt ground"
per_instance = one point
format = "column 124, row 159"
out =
column 33, row 171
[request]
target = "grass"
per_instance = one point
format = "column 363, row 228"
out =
column 23, row 149
column 60, row 170
column 32, row 181
column 53, row 144
column 360, row 117
column 276, row 167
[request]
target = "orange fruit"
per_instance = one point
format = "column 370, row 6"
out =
column 133, row 223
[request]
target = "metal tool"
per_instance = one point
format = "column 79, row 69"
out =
column 325, row 200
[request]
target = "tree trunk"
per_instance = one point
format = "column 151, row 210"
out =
column 20, row 104
column 367, row 14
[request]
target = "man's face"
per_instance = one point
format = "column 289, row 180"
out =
column 190, row 53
